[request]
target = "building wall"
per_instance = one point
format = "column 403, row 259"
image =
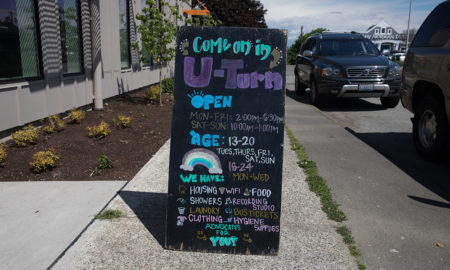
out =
column 390, row 37
column 26, row 101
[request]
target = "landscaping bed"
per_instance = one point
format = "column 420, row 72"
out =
column 127, row 148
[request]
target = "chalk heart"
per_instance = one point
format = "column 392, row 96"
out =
column 222, row 190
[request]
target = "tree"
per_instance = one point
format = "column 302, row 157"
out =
column 204, row 20
column 157, row 33
column 239, row 13
column 294, row 50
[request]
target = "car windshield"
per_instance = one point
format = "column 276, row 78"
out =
column 341, row 47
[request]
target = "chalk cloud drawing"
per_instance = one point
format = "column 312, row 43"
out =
column 201, row 157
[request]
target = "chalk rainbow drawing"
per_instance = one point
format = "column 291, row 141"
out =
column 202, row 157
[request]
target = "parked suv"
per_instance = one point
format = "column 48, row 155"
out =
column 426, row 84
column 346, row 65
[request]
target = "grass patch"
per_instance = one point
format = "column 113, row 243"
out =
column 347, row 234
column 318, row 185
column 354, row 250
column 348, row 239
column 109, row 214
column 360, row 265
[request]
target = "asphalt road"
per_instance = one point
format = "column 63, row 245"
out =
column 397, row 204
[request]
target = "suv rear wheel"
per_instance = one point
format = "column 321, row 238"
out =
column 389, row 102
column 430, row 129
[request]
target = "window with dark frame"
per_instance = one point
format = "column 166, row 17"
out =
column 19, row 40
column 124, row 22
column 70, row 31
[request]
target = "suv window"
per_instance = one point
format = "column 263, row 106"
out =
column 435, row 31
column 340, row 47
column 307, row 45
column 310, row 45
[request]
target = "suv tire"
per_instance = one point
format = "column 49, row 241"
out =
column 430, row 129
column 299, row 87
column 315, row 98
column 389, row 102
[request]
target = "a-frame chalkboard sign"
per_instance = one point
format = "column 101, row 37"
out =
column 226, row 151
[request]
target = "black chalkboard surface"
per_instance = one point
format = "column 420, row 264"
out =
column 226, row 151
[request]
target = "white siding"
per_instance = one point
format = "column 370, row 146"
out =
column 23, row 102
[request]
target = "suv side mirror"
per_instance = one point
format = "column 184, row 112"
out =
column 307, row 53
column 386, row 52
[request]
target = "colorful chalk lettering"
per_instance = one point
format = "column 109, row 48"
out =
column 227, row 141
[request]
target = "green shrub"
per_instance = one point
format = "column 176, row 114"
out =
column 99, row 131
column 54, row 124
column 153, row 93
column 3, row 155
column 167, row 85
column 44, row 160
column 75, row 116
column 122, row 121
column 105, row 163
column 26, row 136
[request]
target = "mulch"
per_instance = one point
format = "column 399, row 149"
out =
column 129, row 149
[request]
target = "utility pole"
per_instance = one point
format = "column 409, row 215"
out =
column 301, row 37
column 407, row 30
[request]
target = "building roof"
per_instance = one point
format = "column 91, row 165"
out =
column 382, row 24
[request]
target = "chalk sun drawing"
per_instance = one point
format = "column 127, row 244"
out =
column 196, row 99
column 201, row 157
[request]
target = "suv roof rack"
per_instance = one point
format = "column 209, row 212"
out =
column 335, row 32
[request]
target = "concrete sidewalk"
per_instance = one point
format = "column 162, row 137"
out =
column 39, row 220
column 308, row 238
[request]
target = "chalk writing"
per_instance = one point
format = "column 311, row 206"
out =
column 239, row 167
column 201, row 101
column 224, row 241
column 234, row 80
column 206, row 140
column 209, row 125
column 204, row 218
column 227, row 140
column 205, row 200
column 262, row 177
column 204, row 210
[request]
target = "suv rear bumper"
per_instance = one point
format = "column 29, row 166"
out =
column 346, row 88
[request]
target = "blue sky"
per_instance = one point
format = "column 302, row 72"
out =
column 343, row 15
